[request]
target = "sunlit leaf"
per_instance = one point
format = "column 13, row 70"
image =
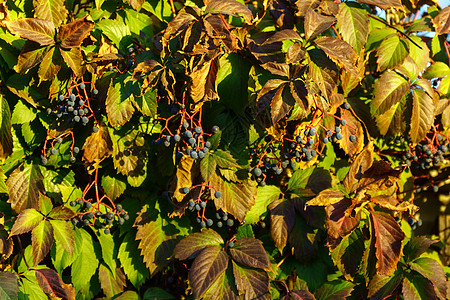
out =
column 282, row 220
column 229, row 7
column 252, row 283
column 422, row 115
column 72, row 34
column 73, row 59
column 119, row 107
column 384, row 4
column 336, row 289
column 51, row 10
column 316, row 23
column 37, row 30
column 98, row 145
column 26, row 221
column 64, row 235
column 392, row 52
column 348, row 254
column 52, row 284
column 42, row 240
column 250, row 252
column 390, row 88
column 353, row 25
column 416, row 246
column 111, row 285
column 265, row 195
column 191, row 246
column 433, row 271
column 382, row 286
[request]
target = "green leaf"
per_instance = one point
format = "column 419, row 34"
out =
column 390, row 88
column 157, row 293
column 6, row 142
column 29, row 287
column 109, row 250
column 70, row 193
column 347, row 256
column 86, row 261
column 9, row 285
column 117, row 31
column 22, row 113
column 245, row 231
column 51, row 10
column 433, row 271
column 417, row 287
column 436, row 70
column 336, row 289
column 39, row 31
column 161, row 9
column 299, row 179
column 45, row 204
column 50, row 65
column 265, row 195
column 112, row 284
column 26, row 221
column 392, row 53
column 253, row 283
column 64, row 234
column 237, row 198
column 353, row 23
column 113, row 186
column 250, row 252
column 215, row 140
column 206, row 269
column 420, row 56
column 422, row 115
column 388, row 241
column 131, row 260
column 223, row 287
column 382, row 286
column 147, row 103
column 224, row 159
column 24, row 185
column 119, row 107
column 61, row 259
column 393, row 121
column 41, row 240
column 208, row 166
column 303, row 240
column 191, row 246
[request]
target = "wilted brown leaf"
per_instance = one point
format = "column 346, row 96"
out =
column 230, row 7
column 187, row 173
column 72, row 34
column 316, row 23
column 355, row 128
column 342, row 219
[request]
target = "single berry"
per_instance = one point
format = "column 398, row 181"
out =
column 411, row 221
column 343, row 122
column 82, row 86
column 230, row 244
column 230, row 222
column 224, row 217
column 76, row 149
column 435, row 188
column 126, row 217
column 215, row 129
column 218, row 194
column 72, row 159
column 339, row 136
column 166, row 143
column 95, row 129
column 257, row 172
column 44, row 160
column 185, row 124
column 209, row 222
column 191, row 203
column 73, row 97
column 107, row 231
column 84, row 120
column 188, row 134
column 352, row 138
column 130, row 50
column 347, row 105
column 76, row 119
column 208, row 145
column 119, row 206
column 121, row 221
column 337, row 129
column 325, row 140
column 310, row 142
column 203, row 204
column 61, row 97
column 53, row 151
column 73, row 203
column 95, row 91
column 202, row 224
column 49, row 111
column 198, row 129
column 219, row 224
column 185, row 190
column 312, row 131
column 197, row 207
column 194, row 154
column 176, row 138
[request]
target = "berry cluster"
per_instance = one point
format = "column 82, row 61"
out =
column 53, row 149
column 427, row 154
column 200, row 203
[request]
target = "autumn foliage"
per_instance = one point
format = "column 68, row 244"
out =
column 222, row 149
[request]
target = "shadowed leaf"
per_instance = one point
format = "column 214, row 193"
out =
column 286, row 34
column 348, row 254
column 433, row 271
column 382, row 286
column 6, row 142
column 416, row 246
column 388, row 241
column 341, row 220
column 323, row 71
column 193, row 244
column 414, row 286
column 229, row 7
column 49, row 66
column 31, row 56
column 207, row 267
column 250, row 252
column 61, row 213
column 37, row 30
column 224, row 159
column 336, row 289
column 9, row 285
column 282, row 219
column 360, row 165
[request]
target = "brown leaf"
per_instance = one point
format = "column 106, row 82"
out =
column 191, row 246
column 187, row 173
column 250, row 252
column 326, row 197
column 237, row 198
column 303, row 6
column 316, row 23
column 295, row 53
column 390, row 88
column 422, row 115
column 282, row 13
column 98, row 145
column 351, row 148
column 207, row 267
column 112, row 284
column 73, row 59
column 280, row 69
column 37, row 30
column 323, row 72
column 384, row 4
column 144, row 67
column 136, row 4
column 49, row 67
column 182, row 20
column 252, row 283
column 361, row 163
column 442, row 21
column 281, row 105
column 388, row 241
column 72, row 34
column 280, row 36
column 51, row 10
column 341, row 220
column 52, row 284
column 30, row 56
column 230, row 7
column 282, row 219
column 339, row 51
column 299, row 93
column 218, row 29
column 203, row 85
column 380, row 176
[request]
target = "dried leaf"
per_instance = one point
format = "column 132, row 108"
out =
column 303, row 6
column 341, row 220
column 316, row 23
column 51, row 10
column 283, row 35
column 187, row 173
column 98, row 145
column 351, row 148
column 250, row 252
column 230, row 7
column 422, row 115
column 72, row 34
column 339, row 51
column 326, row 197
column 37, row 30
column 442, row 21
